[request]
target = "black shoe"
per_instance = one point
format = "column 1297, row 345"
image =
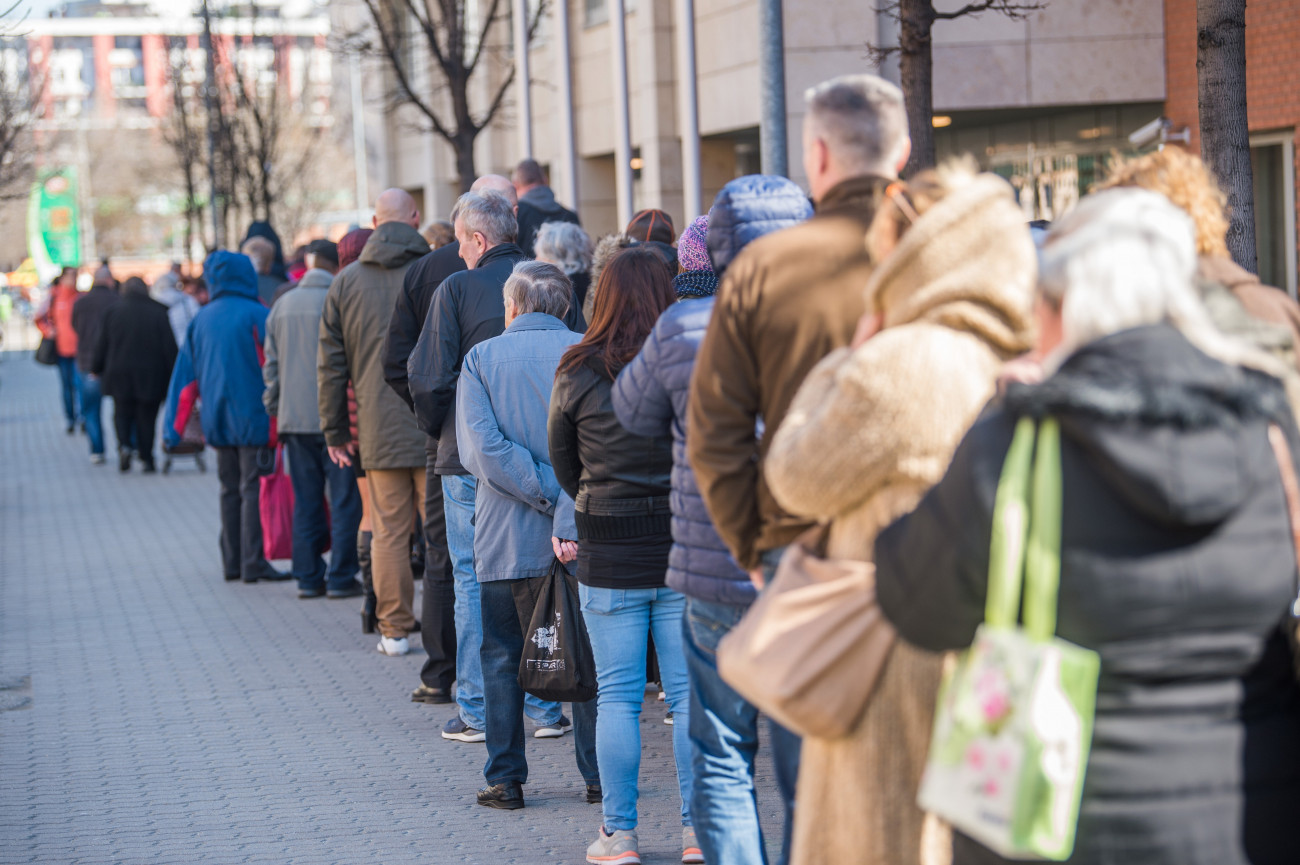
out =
column 149, row 467
column 595, row 795
column 273, row 576
column 123, row 460
column 353, row 591
column 72, row 428
column 415, row 628
column 313, row 592
column 505, row 797
column 369, row 621
column 231, row 578
column 425, row 694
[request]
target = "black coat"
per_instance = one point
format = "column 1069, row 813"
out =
column 136, row 351
column 88, row 321
column 466, row 309
column 412, row 308
column 1177, row 567
column 538, row 207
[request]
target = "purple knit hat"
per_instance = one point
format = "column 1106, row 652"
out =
column 693, row 246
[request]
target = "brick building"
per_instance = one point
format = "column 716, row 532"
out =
column 1273, row 104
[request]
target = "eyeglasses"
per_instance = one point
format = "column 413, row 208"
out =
column 897, row 194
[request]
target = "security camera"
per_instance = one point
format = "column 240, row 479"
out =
column 1151, row 133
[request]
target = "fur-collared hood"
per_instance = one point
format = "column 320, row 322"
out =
column 1164, row 422
column 967, row 263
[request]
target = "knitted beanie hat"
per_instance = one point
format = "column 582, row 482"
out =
column 652, row 225
column 693, row 246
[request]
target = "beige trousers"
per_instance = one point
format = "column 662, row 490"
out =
column 396, row 495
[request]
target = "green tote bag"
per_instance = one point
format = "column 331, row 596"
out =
column 1014, row 721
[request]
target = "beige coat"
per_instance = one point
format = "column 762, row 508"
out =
column 869, row 432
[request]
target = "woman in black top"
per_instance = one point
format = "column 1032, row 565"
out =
column 620, row 486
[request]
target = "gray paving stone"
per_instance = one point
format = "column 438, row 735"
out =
column 171, row 717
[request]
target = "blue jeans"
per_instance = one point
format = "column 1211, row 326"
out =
column 618, row 621
column 724, row 742
column 458, row 493
column 311, row 472
column 69, row 386
column 91, row 397
column 503, row 646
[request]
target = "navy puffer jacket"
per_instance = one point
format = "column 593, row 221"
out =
column 651, row 392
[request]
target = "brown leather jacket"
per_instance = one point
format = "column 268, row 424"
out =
column 787, row 301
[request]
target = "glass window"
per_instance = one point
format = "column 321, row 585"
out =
column 1270, row 212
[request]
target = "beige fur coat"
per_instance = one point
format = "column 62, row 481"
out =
column 869, row 432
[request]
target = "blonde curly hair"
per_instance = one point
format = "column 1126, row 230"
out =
column 1183, row 179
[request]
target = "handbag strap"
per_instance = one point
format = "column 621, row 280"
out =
column 1282, row 452
column 1025, row 549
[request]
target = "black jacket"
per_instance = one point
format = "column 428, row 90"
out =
column 136, row 350
column 412, row 308
column 1177, row 566
column 536, row 208
column 467, row 308
column 88, row 314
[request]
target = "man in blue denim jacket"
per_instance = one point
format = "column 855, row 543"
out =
column 502, row 399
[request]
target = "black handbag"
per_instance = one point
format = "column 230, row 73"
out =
column 47, row 352
column 556, row 663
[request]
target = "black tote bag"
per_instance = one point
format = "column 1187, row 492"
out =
column 556, row 663
column 47, row 352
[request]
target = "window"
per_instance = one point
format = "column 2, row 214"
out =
column 1272, row 162
column 596, row 12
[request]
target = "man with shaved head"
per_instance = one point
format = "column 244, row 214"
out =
column 466, row 309
column 358, row 308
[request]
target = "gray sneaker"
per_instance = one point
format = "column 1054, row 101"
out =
column 618, row 848
column 691, row 852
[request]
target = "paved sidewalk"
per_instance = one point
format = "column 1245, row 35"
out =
column 151, row 712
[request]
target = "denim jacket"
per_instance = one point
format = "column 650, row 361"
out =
column 502, row 399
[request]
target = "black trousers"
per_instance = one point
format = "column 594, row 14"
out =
column 438, row 605
column 136, row 421
column 241, row 518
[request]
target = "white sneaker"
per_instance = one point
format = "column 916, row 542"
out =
column 393, row 646
column 553, row 731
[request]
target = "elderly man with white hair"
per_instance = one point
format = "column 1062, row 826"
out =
column 466, row 309
column 358, row 307
column 502, row 402
column 1177, row 562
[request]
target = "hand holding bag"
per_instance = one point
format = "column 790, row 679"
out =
column 1013, row 726
column 557, row 663
column 811, row 648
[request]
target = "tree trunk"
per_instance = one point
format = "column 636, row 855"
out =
column 916, row 72
column 464, row 146
column 1225, row 132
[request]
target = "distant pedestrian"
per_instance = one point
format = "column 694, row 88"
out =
column 502, row 401
column 88, row 315
column 169, row 290
column 620, row 483
column 133, row 360
column 221, row 364
column 568, row 247
column 54, row 321
column 261, row 252
column 279, row 269
column 467, row 308
column 292, row 398
column 651, row 396
column 358, row 307
column 537, row 204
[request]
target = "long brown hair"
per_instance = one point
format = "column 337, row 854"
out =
column 634, row 288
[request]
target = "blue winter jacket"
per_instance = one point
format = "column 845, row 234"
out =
column 651, row 393
column 503, row 397
column 220, row 362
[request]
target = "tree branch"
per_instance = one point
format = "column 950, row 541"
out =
column 1012, row 10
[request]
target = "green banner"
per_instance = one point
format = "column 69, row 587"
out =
column 53, row 233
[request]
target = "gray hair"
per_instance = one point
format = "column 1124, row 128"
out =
column 565, row 245
column 536, row 286
column 1126, row 258
column 863, row 121
column 488, row 213
column 261, row 252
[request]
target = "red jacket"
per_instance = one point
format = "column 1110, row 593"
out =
column 56, row 322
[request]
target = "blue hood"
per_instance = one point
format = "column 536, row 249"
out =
column 748, row 208
column 230, row 273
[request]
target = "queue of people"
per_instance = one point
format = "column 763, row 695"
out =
column 680, row 424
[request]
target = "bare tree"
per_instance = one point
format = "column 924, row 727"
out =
column 183, row 132
column 1225, row 132
column 457, row 48
column 916, row 19
column 20, row 96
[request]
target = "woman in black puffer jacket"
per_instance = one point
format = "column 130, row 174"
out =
column 1177, row 562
